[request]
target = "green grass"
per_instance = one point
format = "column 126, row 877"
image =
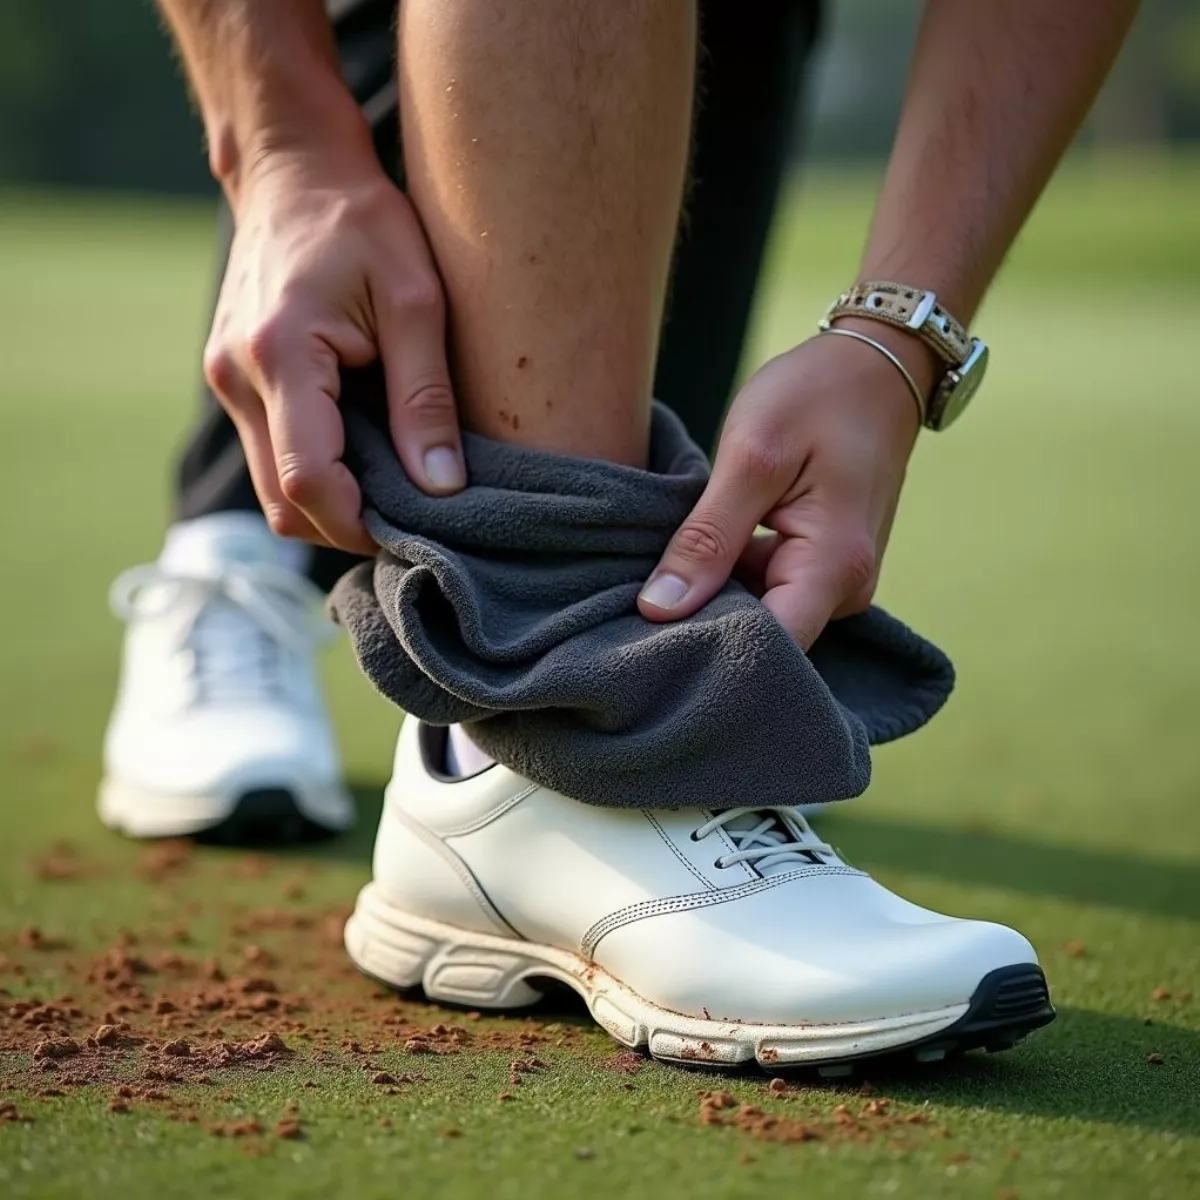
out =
column 1048, row 542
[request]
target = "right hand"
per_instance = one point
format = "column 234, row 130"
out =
column 328, row 270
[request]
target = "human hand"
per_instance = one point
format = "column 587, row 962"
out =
column 329, row 267
column 814, row 448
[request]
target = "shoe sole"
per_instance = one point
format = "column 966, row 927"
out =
column 478, row 970
column 279, row 815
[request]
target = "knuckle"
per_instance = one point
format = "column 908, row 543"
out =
column 300, row 482
column 701, row 540
column 758, row 456
column 266, row 344
column 220, row 370
column 418, row 292
column 283, row 521
column 429, row 402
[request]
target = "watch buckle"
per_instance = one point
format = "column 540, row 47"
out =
column 922, row 311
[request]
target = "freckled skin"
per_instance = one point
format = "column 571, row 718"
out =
column 564, row 136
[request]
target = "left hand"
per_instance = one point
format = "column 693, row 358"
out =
column 814, row 448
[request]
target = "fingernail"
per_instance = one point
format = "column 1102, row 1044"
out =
column 664, row 591
column 444, row 469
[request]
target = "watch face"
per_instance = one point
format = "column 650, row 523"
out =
column 960, row 385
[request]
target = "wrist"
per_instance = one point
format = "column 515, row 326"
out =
column 920, row 360
column 316, row 131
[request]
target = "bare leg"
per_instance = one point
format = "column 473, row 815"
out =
column 545, row 149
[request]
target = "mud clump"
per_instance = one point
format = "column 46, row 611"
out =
column 267, row 1047
column 873, row 1120
column 32, row 938
column 289, row 1128
column 114, row 1036
column 166, row 860
column 57, row 1048
column 61, row 863
column 10, row 1115
column 235, row 1129
column 627, row 1062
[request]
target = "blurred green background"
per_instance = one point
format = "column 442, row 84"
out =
column 89, row 94
column 1049, row 542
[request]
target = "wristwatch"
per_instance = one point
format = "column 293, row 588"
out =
column 917, row 311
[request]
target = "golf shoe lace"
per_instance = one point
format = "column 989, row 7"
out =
column 767, row 838
column 234, row 626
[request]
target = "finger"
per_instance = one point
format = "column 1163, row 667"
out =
column 284, row 518
column 300, row 390
column 745, row 485
column 245, row 409
column 810, row 577
column 421, row 410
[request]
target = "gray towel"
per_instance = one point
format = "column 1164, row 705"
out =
column 511, row 607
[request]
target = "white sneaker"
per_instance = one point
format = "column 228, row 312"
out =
column 219, row 725
column 706, row 937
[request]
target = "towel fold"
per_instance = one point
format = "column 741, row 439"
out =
column 511, row 607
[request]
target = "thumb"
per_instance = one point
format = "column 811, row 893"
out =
column 707, row 546
column 421, row 411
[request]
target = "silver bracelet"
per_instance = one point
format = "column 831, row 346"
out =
column 918, row 399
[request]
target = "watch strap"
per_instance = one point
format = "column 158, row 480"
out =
column 911, row 308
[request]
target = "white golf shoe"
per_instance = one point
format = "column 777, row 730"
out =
column 708, row 937
column 219, row 726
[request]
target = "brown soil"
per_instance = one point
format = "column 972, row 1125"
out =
column 870, row 1122
column 164, row 1019
column 62, row 862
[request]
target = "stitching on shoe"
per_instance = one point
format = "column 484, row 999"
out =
column 457, row 865
column 662, row 833
column 692, row 900
column 489, row 817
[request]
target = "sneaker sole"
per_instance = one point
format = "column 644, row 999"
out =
column 257, row 816
column 478, row 970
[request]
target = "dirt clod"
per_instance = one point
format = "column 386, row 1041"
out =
column 165, row 859
column 56, row 1048
column 236, row 1129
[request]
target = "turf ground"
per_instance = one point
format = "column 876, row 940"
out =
column 1049, row 543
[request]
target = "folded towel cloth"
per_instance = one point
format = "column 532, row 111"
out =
column 512, row 607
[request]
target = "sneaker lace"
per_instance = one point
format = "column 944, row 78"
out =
column 235, row 623
column 767, row 837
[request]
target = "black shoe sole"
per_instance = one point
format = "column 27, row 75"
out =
column 264, row 817
column 1009, row 1004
